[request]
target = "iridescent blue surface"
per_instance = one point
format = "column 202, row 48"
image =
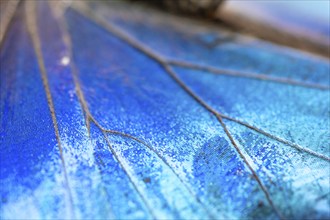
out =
column 30, row 162
column 136, row 144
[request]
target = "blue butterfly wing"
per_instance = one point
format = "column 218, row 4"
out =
column 105, row 115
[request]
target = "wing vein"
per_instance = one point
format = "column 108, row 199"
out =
column 89, row 118
column 7, row 17
column 279, row 139
column 166, row 65
column 30, row 13
column 257, row 76
column 148, row 52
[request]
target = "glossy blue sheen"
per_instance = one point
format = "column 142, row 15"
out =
column 175, row 160
column 30, row 162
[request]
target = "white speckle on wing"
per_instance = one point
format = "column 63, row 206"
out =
column 65, row 60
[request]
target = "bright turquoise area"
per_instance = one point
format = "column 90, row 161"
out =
column 164, row 156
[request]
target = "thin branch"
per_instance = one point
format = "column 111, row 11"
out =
column 240, row 73
column 30, row 13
